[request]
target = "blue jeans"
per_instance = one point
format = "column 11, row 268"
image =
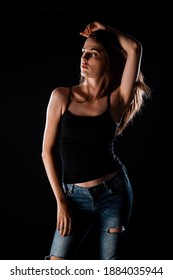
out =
column 107, row 207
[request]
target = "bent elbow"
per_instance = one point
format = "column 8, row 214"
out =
column 43, row 155
column 46, row 154
column 137, row 48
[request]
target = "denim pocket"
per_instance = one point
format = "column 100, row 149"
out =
column 67, row 189
column 115, row 184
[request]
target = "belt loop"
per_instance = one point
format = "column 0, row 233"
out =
column 106, row 185
column 69, row 188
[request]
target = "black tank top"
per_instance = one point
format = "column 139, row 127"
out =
column 86, row 145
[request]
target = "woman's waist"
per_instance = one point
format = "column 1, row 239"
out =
column 97, row 181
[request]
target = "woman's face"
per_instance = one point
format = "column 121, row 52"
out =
column 93, row 61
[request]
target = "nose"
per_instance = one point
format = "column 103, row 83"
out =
column 85, row 56
column 83, row 60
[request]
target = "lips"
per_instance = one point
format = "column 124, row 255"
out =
column 84, row 66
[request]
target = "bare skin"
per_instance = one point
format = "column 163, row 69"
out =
column 94, row 69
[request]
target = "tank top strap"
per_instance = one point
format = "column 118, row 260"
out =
column 69, row 98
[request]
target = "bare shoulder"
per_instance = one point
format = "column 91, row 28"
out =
column 59, row 97
column 60, row 93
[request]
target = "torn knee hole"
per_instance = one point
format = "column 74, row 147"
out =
column 55, row 258
column 116, row 229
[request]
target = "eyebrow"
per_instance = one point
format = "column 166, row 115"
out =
column 94, row 49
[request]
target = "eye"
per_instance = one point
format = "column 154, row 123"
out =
column 94, row 55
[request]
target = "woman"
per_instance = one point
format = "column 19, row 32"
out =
column 84, row 120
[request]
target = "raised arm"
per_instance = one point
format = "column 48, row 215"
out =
column 133, row 50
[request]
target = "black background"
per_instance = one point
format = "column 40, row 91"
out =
column 40, row 50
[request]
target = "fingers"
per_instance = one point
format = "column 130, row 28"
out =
column 64, row 226
column 88, row 30
column 83, row 34
column 93, row 26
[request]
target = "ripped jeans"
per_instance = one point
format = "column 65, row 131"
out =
column 107, row 207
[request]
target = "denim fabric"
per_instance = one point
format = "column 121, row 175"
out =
column 107, row 205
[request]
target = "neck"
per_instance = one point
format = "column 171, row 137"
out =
column 93, row 92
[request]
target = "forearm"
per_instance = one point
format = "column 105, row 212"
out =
column 64, row 219
column 127, row 42
column 53, row 177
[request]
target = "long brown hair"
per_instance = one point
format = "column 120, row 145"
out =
column 116, row 58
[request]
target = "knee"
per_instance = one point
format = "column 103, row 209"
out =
column 55, row 258
column 116, row 229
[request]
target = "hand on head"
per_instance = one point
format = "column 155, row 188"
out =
column 93, row 26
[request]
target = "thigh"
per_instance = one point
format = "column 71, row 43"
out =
column 68, row 247
column 63, row 246
column 80, row 204
column 114, row 217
